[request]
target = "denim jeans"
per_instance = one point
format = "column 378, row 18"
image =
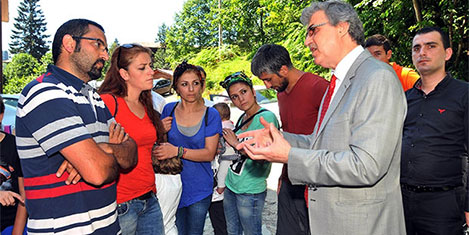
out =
column 243, row 212
column 140, row 216
column 191, row 219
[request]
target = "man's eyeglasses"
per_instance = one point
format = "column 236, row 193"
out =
column 126, row 46
column 98, row 42
column 238, row 76
column 311, row 30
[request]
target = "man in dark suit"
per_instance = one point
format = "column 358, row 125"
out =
column 351, row 161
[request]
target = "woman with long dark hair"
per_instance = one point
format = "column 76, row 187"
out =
column 126, row 92
column 193, row 137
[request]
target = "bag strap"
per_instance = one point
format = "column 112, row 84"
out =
column 117, row 105
column 205, row 116
column 239, row 126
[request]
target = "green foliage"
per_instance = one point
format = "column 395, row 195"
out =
column 30, row 26
column 224, row 68
column 46, row 60
column 22, row 65
column 15, row 85
column 248, row 24
column 160, row 59
column 211, row 56
column 397, row 20
column 161, row 37
column 107, row 64
column 192, row 31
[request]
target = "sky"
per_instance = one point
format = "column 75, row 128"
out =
column 128, row 21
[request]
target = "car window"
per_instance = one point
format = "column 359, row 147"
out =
column 10, row 101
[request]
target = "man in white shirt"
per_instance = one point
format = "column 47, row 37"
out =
column 351, row 161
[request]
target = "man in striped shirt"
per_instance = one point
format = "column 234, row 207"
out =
column 69, row 147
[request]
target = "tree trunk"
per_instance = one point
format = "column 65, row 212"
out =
column 418, row 13
column 220, row 39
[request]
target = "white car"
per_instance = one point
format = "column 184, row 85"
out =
column 11, row 101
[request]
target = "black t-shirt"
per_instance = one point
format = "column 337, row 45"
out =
column 9, row 156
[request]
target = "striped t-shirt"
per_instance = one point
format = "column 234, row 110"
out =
column 55, row 111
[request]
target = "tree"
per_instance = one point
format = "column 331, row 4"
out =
column 21, row 65
column 160, row 57
column 28, row 35
column 192, row 30
column 107, row 64
column 46, row 60
column 400, row 19
column 161, row 37
column 20, row 71
column 248, row 24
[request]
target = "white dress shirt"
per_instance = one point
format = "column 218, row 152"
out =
column 343, row 67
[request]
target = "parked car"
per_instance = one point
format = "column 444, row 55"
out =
column 266, row 98
column 162, row 86
column 11, row 102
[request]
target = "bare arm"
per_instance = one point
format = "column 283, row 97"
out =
column 21, row 213
column 119, row 142
column 93, row 164
column 121, row 146
column 167, row 150
column 125, row 152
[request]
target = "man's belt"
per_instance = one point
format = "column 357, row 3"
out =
column 422, row 189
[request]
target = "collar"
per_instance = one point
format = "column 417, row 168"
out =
column 441, row 85
column 66, row 77
column 344, row 65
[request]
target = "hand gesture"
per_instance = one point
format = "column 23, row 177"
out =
column 7, row 198
column 265, row 144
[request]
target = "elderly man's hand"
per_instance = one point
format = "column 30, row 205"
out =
column 265, row 144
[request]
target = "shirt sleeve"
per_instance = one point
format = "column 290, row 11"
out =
column 52, row 117
column 167, row 109
column 213, row 123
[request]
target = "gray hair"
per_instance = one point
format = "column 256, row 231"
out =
column 337, row 11
column 269, row 59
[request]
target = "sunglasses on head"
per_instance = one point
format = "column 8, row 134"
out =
column 238, row 76
column 126, row 46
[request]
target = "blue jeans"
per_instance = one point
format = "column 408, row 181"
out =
column 141, row 216
column 243, row 212
column 191, row 219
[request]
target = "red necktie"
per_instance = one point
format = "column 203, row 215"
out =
column 325, row 106
column 327, row 100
